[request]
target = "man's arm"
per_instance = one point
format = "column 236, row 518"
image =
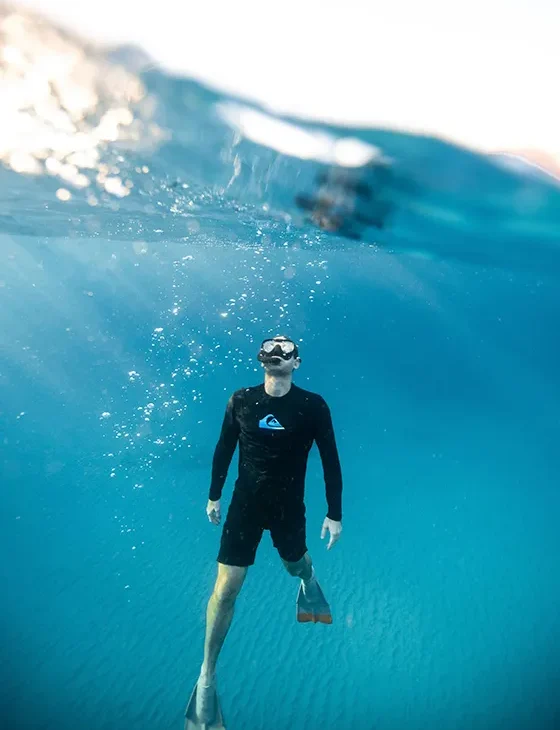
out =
column 326, row 442
column 223, row 452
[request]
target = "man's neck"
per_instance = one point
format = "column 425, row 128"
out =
column 277, row 386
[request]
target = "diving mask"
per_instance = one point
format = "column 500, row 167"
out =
column 276, row 347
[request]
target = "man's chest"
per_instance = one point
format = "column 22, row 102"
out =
column 267, row 421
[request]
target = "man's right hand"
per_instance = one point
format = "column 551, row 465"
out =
column 213, row 511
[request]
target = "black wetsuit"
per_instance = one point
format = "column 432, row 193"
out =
column 275, row 435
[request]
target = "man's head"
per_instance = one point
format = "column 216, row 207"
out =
column 279, row 355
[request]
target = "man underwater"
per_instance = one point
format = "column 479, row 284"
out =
column 275, row 424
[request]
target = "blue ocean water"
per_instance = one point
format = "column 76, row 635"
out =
column 133, row 306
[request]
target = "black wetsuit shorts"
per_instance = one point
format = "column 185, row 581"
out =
column 247, row 520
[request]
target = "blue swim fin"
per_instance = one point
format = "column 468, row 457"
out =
column 213, row 719
column 313, row 607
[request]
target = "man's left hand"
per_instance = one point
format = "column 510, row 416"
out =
column 334, row 527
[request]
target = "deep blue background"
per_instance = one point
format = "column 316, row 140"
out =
column 445, row 588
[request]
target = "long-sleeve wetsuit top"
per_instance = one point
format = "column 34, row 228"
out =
column 275, row 435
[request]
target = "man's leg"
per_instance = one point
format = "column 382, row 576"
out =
column 288, row 537
column 241, row 535
column 219, row 615
column 218, row 620
column 312, row 604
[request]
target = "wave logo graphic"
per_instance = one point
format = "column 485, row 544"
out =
column 271, row 423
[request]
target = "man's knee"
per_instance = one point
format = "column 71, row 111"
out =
column 294, row 569
column 298, row 568
column 229, row 583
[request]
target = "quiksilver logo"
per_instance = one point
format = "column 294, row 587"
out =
column 271, row 422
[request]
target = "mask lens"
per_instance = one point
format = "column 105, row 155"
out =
column 286, row 346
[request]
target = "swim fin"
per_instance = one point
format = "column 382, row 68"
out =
column 214, row 719
column 313, row 607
